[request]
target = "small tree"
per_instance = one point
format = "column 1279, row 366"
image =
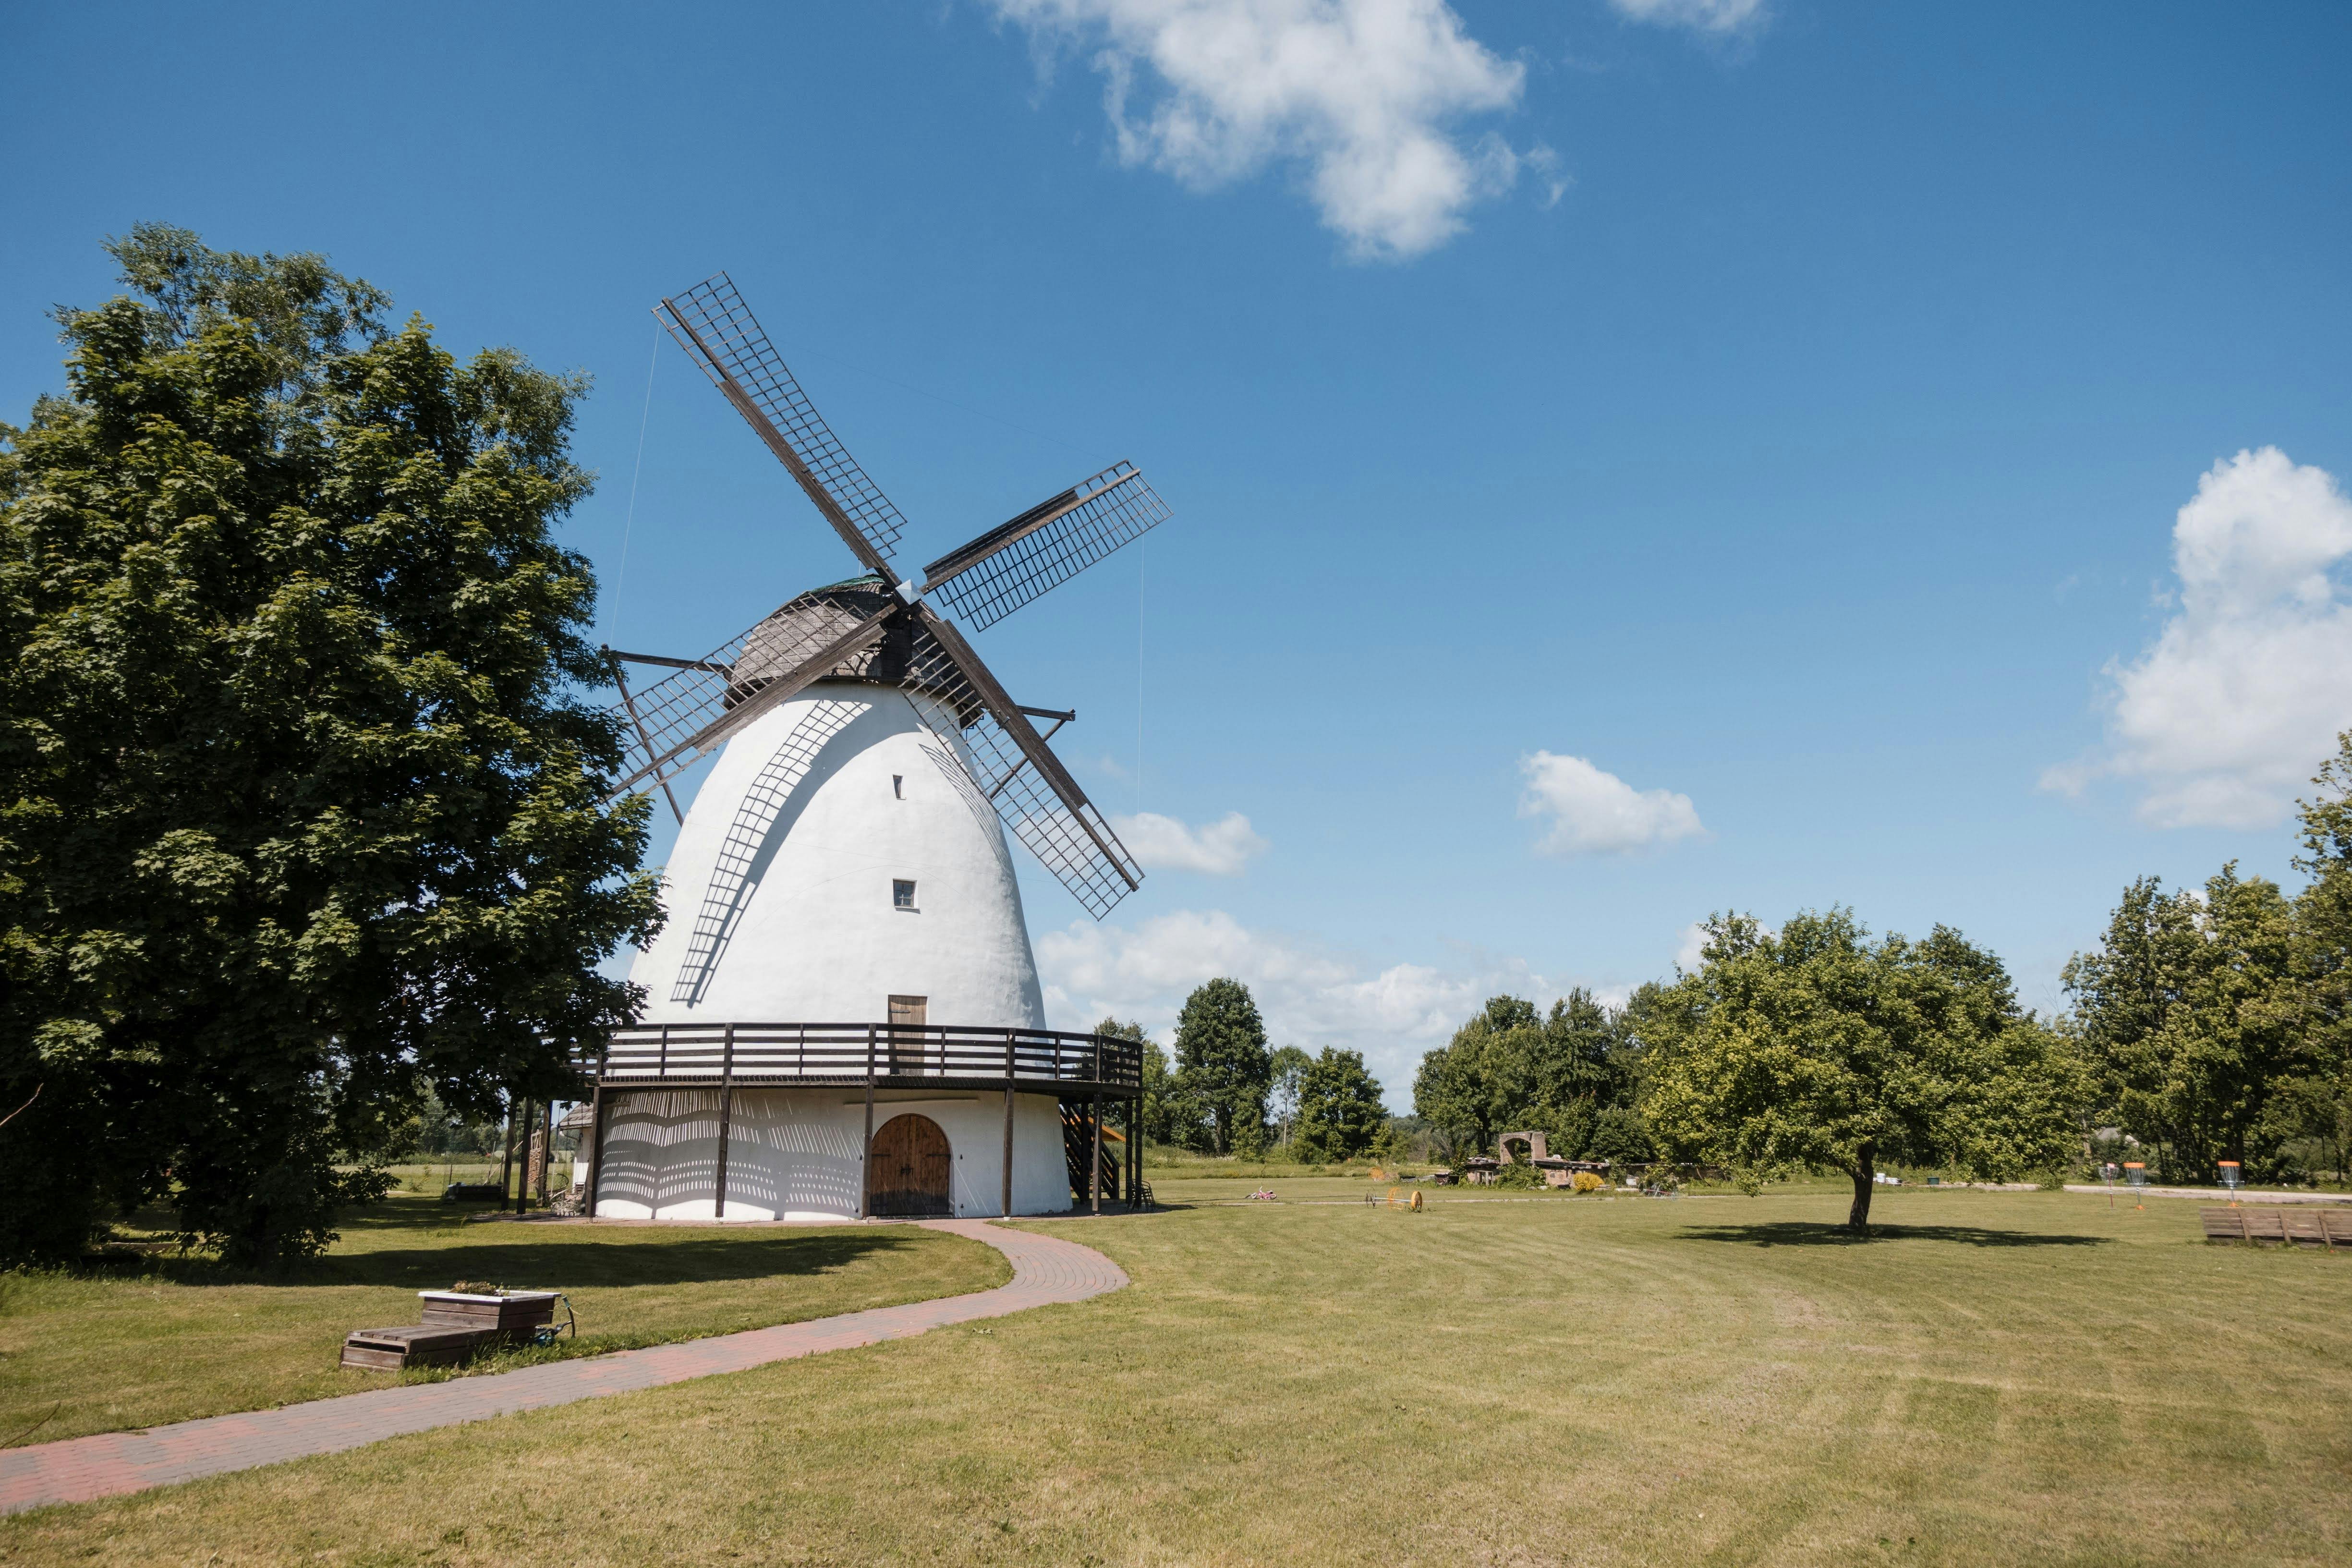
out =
column 1223, row 1063
column 1814, row 1047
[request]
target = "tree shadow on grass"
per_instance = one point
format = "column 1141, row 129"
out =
column 538, row 1260
column 1804, row 1232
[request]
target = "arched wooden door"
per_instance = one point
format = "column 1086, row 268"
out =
column 906, row 1168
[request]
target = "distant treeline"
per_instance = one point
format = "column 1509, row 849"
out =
column 2209, row 1025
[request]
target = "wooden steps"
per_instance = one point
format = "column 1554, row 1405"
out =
column 456, row 1324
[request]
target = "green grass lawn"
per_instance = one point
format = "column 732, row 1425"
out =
column 169, row 1340
column 2005, row 1378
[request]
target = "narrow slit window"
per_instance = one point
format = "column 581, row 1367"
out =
column 898, row 786
column 902, row 894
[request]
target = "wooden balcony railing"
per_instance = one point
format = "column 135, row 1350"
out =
column 646, row 1055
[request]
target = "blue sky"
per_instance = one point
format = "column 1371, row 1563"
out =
column 1629, row 457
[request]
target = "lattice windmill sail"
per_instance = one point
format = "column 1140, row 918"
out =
column 887, row 630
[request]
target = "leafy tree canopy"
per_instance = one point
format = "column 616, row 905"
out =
column 1816, row 1048
column 1339, row 1111
column 1512, row 1066
column 1223, row 1065
column 2193, row 1014
column 299, row 809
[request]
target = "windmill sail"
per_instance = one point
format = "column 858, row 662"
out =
column 711, row 322
column 1051, row 542
column 1012, row 769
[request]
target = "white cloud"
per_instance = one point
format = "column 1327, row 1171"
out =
column 1699, row 16
column 1693, row 948
column 1364, row 93
column 1311, row 997
column 2240, row 697
column 1595, row 813
column 1219, row 848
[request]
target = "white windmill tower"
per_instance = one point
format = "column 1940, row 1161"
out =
column 843, row 1013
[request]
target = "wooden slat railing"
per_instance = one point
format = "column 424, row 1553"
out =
column 646, row 1054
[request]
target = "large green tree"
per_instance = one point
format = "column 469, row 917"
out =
column 301, row 808
column 2319, row 1107
column 1816, row 1048
column 2194, row 1014
column 1339, row 1111
column 1223, row 1065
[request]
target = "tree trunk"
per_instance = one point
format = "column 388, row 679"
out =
column 1864, row 1174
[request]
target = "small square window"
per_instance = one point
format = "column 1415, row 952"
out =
column 902, row 895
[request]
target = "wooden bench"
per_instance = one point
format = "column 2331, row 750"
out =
column 2299, row 1227
column 456, row 1324
column 419, row 1344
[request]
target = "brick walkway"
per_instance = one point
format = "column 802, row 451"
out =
column 1045, row 1271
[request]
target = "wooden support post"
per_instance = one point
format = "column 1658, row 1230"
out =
column 522, row 1155
column 546, row 1145
column 866, row 1154
column 505, row 1166
column 1134, row 1150
column 1006, row 1204
column 1095, row 1195
column 726, row 1117
column 596, row 1143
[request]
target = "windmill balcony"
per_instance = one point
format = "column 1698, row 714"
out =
column 736, row 1121
column 888, row 1056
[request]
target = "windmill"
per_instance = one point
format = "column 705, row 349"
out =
column 787, row 961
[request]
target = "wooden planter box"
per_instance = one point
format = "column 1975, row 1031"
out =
column 523, row 1310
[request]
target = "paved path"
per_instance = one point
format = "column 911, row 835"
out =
column 1045, row 1271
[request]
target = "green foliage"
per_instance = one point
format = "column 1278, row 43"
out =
column 1815, row 1048
column 1339, row 1111
column 1223, row 1068
column 2193, row 1014
column 1286, row 1067
column 1169, row 1115
column 1518, row 1176
column 1570, row 1074
column 300, row 811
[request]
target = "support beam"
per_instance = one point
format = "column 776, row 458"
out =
column 1094, row 1195
column 506, row 1165
column 726, row 1117
column 595, row 1141
column 629, row 705
column 866, row 1153
column 1006, row 1204
column 522, row 1157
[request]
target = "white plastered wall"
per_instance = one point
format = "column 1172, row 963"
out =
column 797, row 1153
column 811, row 934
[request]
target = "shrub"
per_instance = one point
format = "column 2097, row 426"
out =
column 1518, row 1176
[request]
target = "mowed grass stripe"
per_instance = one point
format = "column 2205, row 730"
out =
column 2021, row 1378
